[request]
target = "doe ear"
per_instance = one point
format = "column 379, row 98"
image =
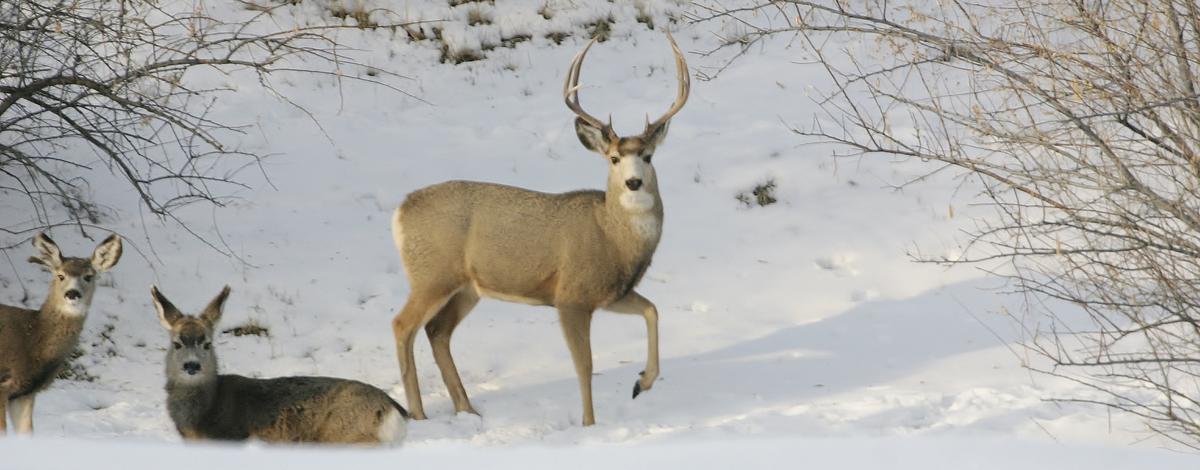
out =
column 212, row 313
column 107, row 253
column 49, row 256
column 593, row 138
column 167, row 313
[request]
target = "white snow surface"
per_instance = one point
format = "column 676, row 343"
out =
column 798, row 331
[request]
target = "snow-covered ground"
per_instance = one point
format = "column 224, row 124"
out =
column 800, row 330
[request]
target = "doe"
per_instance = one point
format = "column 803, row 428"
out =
column 577, row 251
column 34, row 344
column 204, row 405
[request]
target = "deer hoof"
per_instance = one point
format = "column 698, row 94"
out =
column 637, row 389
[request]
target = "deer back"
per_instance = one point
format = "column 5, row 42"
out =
column 288, row 409
column 516, row 244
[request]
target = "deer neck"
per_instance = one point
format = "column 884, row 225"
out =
column 189, row 403
column 57, row 330
column 636, row 229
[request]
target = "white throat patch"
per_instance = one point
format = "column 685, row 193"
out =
column 645, row 225
column 73, row 308
column 637, row 201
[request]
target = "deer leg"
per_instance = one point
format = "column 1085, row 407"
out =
column 3, row 414
column 577, row 329
column 416, row 313
column 439, row 330
column 22, row 413
column 634, row 303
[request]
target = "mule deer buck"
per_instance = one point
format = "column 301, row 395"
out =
column 204, row 405
column 577, row 251
column 34, row 344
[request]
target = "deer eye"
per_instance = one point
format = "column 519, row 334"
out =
column 207, row 346
column 178, row 345
column 646, row 158
column 87, row 278
column 61, row 277
column 615, row 160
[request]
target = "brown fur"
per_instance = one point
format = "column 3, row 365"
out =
column 286, row 409
column 34, row 344
column 204, row 405
column 577, row 251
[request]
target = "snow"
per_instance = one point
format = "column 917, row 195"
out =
column 898, row 454
column 800, row 330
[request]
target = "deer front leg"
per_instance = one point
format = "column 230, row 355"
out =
column 634, row 303
column 577, row 329
column 3, row 415
column 22, row 414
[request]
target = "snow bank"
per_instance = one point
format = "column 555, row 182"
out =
column 847, row 454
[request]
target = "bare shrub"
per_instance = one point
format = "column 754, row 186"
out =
column 82, row 80
column 1081, row 122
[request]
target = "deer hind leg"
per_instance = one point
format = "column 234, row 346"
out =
column 22, row 414
column 577, row 329
column 439, row 330
column 634, row 303
column 420, row 307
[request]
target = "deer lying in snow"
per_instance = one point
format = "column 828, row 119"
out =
column 205, row 405
column 34, row 344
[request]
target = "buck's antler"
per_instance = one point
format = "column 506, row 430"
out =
column 685, row 88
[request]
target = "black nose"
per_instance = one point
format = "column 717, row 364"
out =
column 191, row 367
column 74, row 294
column 633, row 183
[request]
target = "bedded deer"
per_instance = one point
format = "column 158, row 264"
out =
column 34, row 344
column 578, row 251
column 204, row 405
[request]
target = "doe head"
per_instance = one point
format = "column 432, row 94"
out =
column 74, row 279
column 631, row 173
column 190, row 358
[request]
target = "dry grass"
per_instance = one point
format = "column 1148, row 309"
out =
column 360, row 15
column 250, row 328
column 762, row 195
column 477, row 16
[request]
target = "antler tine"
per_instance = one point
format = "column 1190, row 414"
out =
column 685, row 85
column 571, row 88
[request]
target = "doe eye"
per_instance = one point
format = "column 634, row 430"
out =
column 615, row 160
column 646, row 159
column 61, row 277
column 87, row 278
column 207, row 346
column 178, row 345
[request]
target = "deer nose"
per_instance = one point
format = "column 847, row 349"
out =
column 191, row 367
column 633, row 183
column 74, row 294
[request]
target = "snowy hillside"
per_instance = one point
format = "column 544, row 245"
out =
column 782, row 326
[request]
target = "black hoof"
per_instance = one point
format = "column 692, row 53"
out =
column 637, row 388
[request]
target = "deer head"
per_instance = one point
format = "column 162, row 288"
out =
column 190, row 358
column 74, row 279
column 631, row 173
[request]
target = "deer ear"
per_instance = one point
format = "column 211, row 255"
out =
column 41, row 262
column 167, row 313
column 653, row 136
column 593, row 138
column 49, row 255
column 107, row 253
column 212, row 313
